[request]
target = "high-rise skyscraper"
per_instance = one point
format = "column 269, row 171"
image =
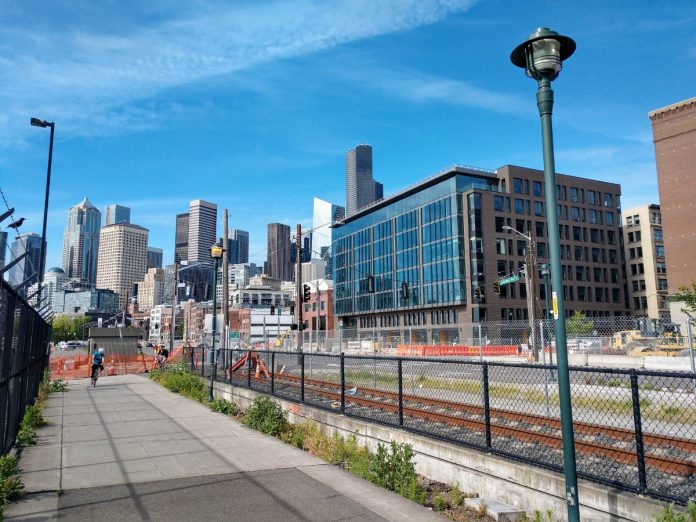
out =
column 241, row 247
column 3, row 248
column 122, row 258
column 361, row 189
column 116, row 214
column 181, row 238
column 278, row 263
column 28, row 267
column 202, row 227
column 81, row 242
column 154, row 257
column 325, row 213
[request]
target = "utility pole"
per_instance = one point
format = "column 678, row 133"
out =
column 298, row 286
column 172, row 329
column 530, row 281
column 225, row 281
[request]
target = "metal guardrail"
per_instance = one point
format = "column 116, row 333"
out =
column 635, row 429
column 24, row 353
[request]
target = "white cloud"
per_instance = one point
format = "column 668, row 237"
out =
column 79, row 76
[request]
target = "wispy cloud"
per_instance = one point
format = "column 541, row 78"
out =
column 419, row 87
column 75, row 74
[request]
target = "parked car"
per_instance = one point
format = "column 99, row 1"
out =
column 62, row 345
column 73, row 344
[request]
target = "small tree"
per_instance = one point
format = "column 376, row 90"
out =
column 688, row 296
column 579, row 325
column 61, row 329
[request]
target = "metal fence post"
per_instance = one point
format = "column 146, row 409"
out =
column 302, row 362
column 691, row 349
column 249, row 369
column 401, row 393
column 343, row 383
column 640, row 450
column 486, row 405
column 202, row 360
column 272, row 373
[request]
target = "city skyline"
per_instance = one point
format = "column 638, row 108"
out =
column 417, row 85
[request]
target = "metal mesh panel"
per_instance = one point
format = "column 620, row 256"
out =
column 372, row 387
column 323, row 381
column 288, row 376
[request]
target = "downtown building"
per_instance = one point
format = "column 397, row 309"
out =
column 674, row 136
column 151, row 290
column 361, row 188
column 181, row 238
column 116, row 214
column 444, row 238
column 27, row 269
column 122, row 259
column 3, row 248
column 278, row 264
column 646, row 270
column 154, row 257
column 81, row 242
column 237, row 246
column 202, row 226
column 323, row 216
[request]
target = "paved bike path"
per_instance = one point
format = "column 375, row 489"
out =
column 129, row 449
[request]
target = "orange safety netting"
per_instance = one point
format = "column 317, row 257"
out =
column 439, row 350
column 78, row 366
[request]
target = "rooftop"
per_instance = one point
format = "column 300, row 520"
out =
column 674, row 106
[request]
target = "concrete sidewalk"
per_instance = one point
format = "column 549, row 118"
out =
column 131, row 450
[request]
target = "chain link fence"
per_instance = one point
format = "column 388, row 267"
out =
column 24, row 353
column 634, row 429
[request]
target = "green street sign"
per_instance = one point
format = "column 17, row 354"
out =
column 234, row 335
column 508, row 280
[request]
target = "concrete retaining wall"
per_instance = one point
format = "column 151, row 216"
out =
column 492, row 477
column 673, row 364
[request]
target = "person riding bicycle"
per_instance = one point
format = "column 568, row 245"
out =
column 162, row 356
column 97, row 361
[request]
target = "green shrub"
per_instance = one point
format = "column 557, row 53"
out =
column 10, row 484
column 455, row 495
column 223, row 406
column 267, row 417
column 58, row 386
column 393, row 468
column 668, row 514
column 32, row 419
column 439, row 503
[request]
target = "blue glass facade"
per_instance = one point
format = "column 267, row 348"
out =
column 417, row 237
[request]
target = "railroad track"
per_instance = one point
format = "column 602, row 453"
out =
column 523, row 427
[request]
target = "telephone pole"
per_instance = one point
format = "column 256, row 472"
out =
column 225, row 281
column 172, row 329
column 298, row 286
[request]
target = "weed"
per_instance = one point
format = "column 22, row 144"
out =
column 439, row 503
column 267, row 417
column 223, row 406
column 669, row 515
column 10, row 484
column 482, row 509
column 32, row 419
column 455, row 495
column 58, row 386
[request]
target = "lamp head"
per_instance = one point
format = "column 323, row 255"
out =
column 216, row 251
column 36, row 122
column 543, row 53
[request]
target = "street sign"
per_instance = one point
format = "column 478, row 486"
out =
column 509, row 279
column 234, row 335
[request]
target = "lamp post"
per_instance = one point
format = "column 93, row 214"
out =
column 216, row 252
column 36, row 122
column 542, row 56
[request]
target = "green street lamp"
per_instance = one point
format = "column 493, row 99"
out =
column 216, row 252
column 542, row 56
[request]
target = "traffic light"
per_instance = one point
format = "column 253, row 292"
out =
column 404, row 290
column 478, row 294
column 371, row 284
column 496, row 287
column 272, row 310
column 306, row 292
column 293, row 326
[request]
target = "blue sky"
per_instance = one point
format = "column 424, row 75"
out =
column 253, row 104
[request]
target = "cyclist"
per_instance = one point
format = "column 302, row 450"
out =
column 97, row 362
column 162, row 357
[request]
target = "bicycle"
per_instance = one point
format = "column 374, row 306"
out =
column 96, row 372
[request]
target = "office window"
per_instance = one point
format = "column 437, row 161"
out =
column 636, row 220
column 629, row 221
column 537, row 188
column 609, row 217
column 575, row 213
column 501, row 246
column 607, row 200
column 499, row 223
column 657, row 234
column 517, row 186
column 519, row 206
column 662, row 284
column 591, row 197
column 541, row 250
column 661, row 267
column 655, row 218
column 660, row 251
column 611, row 237
column 538, row 208
column 539, row 226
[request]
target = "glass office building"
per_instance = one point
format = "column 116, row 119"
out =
column 407, row 253
column 430, row 255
